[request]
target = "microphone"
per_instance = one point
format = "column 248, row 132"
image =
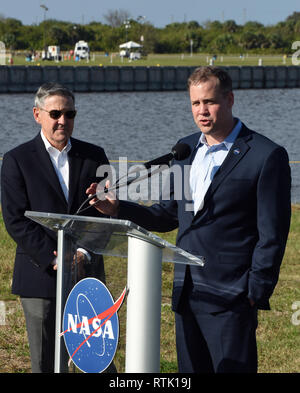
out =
column 179, row 152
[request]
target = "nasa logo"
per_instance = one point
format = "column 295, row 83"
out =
column 91, row 325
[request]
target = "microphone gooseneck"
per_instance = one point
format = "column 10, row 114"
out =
column 179, row 152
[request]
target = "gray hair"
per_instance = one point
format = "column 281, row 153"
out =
column 51, row 89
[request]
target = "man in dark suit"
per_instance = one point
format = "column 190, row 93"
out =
column 50, row 173
column 237, row 216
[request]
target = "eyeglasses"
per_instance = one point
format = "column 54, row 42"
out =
column 56, row 114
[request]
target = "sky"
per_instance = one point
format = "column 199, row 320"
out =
column 157, row 12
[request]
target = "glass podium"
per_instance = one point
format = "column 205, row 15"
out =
column 145, row 253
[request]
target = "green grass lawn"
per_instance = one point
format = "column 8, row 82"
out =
column 278, row 338
column 114, row 59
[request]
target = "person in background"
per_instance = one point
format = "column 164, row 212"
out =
column 50, row 173
column 239, row 183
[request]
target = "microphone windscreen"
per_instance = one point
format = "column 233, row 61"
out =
column 181, row 151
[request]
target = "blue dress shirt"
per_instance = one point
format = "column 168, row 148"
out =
column 207, row 161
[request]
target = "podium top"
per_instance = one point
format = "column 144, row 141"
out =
column 108, row 236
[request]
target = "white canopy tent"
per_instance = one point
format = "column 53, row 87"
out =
column 130, row 49
column 130, row 45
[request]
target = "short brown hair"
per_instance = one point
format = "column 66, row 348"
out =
column 204, row 73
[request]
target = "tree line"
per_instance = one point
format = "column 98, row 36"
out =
column 210, row 37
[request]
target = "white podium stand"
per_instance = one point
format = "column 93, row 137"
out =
column 145, row 252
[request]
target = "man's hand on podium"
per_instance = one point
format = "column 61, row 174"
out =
column 109, row 205
column 81, row 258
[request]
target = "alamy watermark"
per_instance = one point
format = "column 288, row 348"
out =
column 296, row 55
column 296, row 315
column 136, row 183
column 2, row 313
column 2, row 53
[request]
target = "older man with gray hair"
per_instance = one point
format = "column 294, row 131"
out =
column 50, row 173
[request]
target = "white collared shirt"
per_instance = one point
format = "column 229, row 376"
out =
column 60, row 163
column 207, row 161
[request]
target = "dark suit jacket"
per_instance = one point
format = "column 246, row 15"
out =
column 29, row 182
column 241, row 230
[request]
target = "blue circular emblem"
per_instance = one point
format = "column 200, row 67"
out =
column 91, row 325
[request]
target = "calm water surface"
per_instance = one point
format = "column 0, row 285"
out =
column 144, row 125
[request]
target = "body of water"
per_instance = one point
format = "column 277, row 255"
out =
column 145, row 125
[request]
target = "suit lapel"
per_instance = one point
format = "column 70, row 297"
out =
column 236, row 153
column 193, row 145
column 75, row 165
column 44, row 161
